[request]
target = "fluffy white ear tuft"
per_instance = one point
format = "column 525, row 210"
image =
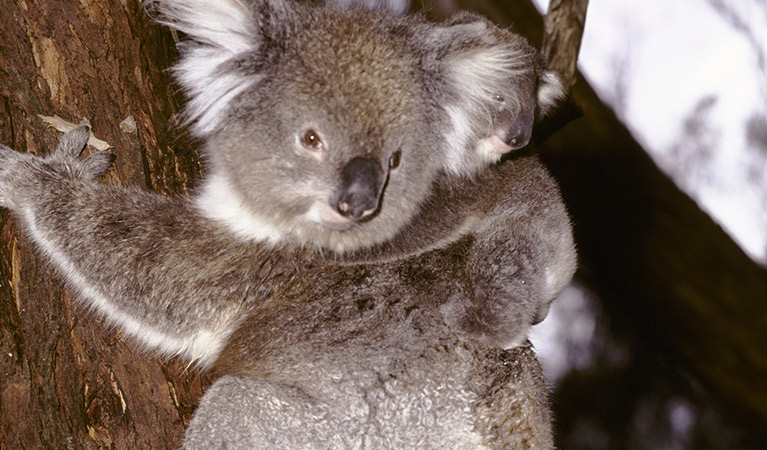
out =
column 550, row 92
column 225, row 24
column 220, row 31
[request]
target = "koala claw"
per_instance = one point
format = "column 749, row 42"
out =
column 22, row 173
column 71, row 146
column 96, row 164
column 69, row 151
column 73, row 142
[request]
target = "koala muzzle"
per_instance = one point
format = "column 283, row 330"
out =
column 361, row 185
column 517, row 128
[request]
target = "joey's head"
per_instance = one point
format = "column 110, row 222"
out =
column 326, row 127
column 497, row 95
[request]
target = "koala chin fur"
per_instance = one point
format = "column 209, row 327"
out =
column 355, row 267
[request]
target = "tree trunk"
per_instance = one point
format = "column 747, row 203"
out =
column 66, row 380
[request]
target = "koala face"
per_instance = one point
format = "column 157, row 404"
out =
column 499, row 94
column 327, row 127
column 518, row 105
column 328, row 147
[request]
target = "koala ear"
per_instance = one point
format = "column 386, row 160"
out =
column 480, row 61
column 222, row 34
column 550, row 92
column 227, row 25
column 488, row 57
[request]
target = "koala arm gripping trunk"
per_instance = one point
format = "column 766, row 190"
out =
column 126, row 251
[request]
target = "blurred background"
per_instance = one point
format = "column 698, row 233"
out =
column 689, row 79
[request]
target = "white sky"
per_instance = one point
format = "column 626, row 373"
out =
column 654, row 61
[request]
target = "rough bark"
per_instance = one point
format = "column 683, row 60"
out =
column 563, row 29
column 66, row 381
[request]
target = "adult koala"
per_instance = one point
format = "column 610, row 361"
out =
column 363, row 136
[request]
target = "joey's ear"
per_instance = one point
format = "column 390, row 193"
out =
column 480, row 54
column 483, row 59
column 225, row 40
column 550, row 91
column 479, row 58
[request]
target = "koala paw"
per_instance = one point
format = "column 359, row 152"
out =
column 71, row 147
column 503, row 296
column 21, row 174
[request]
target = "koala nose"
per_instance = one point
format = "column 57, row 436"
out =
column 517, row 129
column 518, row 136
column 361, row 182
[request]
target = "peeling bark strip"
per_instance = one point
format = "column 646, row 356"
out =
column 66, row 381
column 63, row 126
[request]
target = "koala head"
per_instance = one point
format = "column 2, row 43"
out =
column 497, row 95
column 326, row 127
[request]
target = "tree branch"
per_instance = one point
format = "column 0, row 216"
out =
column 562, row 33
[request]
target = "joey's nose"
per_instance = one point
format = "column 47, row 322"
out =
column 516, row 128
column 518, row 135
column 361, row 182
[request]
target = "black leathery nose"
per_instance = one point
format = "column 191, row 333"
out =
column 518, row 136
column 518, row 127
column 361, row 181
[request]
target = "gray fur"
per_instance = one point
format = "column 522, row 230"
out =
column 391, row 6
column 390, row 336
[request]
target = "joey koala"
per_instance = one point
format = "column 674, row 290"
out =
column 354, row 264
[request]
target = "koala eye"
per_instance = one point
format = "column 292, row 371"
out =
column 395, row 159
column 311, row 140
column 499, row 98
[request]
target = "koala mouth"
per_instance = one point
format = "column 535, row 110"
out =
column 500, row 143
column 497, row 143
column 493, row 148
column 321, row 212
